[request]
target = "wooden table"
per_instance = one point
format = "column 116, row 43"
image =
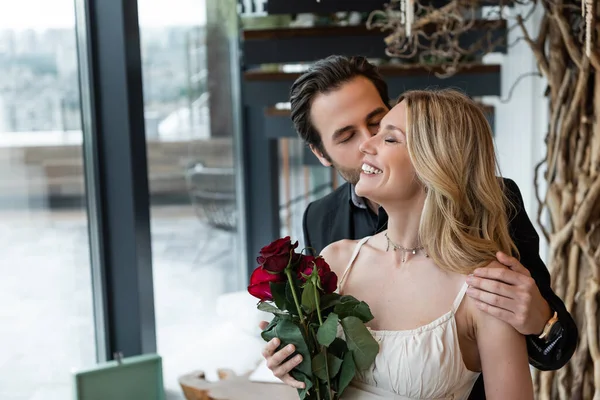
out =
column 232, row 387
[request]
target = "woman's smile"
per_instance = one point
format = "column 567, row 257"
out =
column 369, row 169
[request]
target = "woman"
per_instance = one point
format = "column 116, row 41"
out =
column 432, row 167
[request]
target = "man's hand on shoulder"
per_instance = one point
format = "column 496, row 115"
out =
column 506, row 290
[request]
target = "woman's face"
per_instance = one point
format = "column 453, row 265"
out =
column 388, row 175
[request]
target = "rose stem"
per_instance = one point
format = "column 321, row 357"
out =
column 318, row 303
column 288, row 273
column 323, row 348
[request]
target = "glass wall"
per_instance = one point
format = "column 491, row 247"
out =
column 46, row 314
column 194, row 223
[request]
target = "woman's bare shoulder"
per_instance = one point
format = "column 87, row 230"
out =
column 467, row 309
column 338, row 254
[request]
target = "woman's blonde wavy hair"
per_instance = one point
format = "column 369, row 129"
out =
column 465, row 215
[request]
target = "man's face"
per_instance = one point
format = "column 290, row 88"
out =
column 345, row 118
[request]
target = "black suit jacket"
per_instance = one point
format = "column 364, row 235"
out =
column 328, row 220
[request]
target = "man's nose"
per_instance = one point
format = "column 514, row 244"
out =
column 368, row 147
column 365, row 134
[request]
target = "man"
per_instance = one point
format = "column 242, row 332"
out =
column 336, row 105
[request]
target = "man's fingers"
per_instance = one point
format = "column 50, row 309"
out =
column 499, row 274
column 270, row 347
column 281, row 369
column 499, row 313
column 490, row 286
column 288, row 380
column 512, row 263
column 278, row 358
column 491, row 298
column 263, row 325
column 285, row 368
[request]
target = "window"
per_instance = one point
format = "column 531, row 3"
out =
column 46, row 314
column 192, row 175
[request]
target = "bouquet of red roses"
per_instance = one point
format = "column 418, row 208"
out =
column 300, row 291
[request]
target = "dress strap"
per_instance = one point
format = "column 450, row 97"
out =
column 459, row 297
column 352, row 259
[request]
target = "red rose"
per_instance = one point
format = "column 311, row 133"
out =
column 260, row 283
column 276, row 256
column 327, row 277
column 305, row 267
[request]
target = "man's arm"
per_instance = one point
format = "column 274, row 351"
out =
column 557, row 352
column 522, row 295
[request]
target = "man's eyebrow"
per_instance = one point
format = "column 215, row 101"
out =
column 375, row 112
column 341, row 131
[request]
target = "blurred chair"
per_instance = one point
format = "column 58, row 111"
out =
column 212, row 193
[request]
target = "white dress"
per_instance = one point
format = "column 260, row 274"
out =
column 422, row 363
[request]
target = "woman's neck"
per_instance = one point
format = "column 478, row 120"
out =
column 403, row 223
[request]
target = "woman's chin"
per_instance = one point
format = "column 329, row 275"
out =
column 361, row 189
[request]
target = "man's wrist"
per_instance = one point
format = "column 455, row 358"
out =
column 548, row 315
column 546, row 332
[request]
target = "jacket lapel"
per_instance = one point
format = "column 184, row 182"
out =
column 340, row 218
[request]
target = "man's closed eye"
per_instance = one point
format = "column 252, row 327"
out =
column 346, row 138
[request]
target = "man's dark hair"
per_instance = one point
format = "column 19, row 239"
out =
column 323, row 77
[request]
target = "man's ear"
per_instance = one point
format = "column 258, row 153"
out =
column 322, row 159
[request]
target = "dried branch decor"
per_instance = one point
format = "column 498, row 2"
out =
column 567, row 58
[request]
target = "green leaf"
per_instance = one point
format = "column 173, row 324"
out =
column 361, row 343
column 318, row 366
column 351, row 307
column 289, row 299
column 309, row 302
column 320, row 369
column 328, row 331
column 278, row 292
column 334, row 364
column 338, row 347
column 288, row 332
column 271, row 325
column 329, row 300
column 270, row 308
column 347, row 373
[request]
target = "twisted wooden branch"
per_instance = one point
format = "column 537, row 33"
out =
column 536, row 47
column 565, row 31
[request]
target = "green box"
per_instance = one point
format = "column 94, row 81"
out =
column 131, row 378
